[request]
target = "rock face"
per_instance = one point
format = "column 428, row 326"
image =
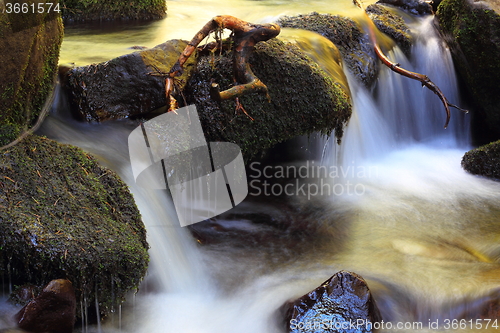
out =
column 343, row 303
column 29, row 54
column 392, row 25
column 355, row 47
column 54, row 310
column 473, row 32
column 122, row 87
column 303, row 98
column 88, row 10
column 64, row 216
column 483, row 161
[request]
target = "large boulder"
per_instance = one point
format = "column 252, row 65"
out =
column 29, row 54
column 473, row 34
column 483, row 161
column 353, row 44
column 343, row 303
column 302, row 98
column 125, row 86
column 106, row 10
column 64, row 216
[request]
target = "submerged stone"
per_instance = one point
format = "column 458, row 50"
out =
column 483, row 161
column 343, row 303
column 64, row 216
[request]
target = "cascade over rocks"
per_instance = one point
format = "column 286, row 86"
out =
column 340, row 302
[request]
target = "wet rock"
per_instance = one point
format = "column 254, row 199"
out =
column 343, row 303
column 84, row 11
column 487, row 307
column 355, row 47
column 392, row 25
column 63, row 215
column 415, row 7
column 483, row 161
column 303, row 98
column 29, row 54
column 472, row 29
column 123, row 87
column 53, row 310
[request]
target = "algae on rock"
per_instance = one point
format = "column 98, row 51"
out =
column 106, row 10
column 483, row 161
column 64, row 216
column 303, row 98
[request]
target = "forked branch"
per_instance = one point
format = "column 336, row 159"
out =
column 245, row 36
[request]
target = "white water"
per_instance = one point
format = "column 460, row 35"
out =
column 424, row 233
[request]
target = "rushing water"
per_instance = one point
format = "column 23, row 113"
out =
column 422, row 232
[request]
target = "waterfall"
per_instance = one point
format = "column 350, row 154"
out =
column 416, row 233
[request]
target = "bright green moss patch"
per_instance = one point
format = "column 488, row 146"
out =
column 64, row 216
column 483, row 161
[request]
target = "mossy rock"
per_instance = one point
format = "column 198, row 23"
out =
column 302, row 98
column 392, row 25
column 107, row 10
column 124, row 87
column 28, row 64
column 473, row 33
column 64, row 216
column 353, row 44
column 483, row 161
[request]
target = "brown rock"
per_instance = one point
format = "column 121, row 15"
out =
column 52, row 311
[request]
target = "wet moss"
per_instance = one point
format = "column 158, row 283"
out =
column 303, row 99
column 392, row 25
column 28, row 58
column 483, row 161
column 355, row 47
column 64, row 216
column 92, row 10
column 473, row 32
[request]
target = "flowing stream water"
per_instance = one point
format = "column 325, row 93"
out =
column 398, row 208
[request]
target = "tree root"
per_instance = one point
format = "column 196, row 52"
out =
column 245, row 36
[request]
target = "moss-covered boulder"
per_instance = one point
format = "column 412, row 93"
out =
column 28, row 63
column 107, row 10
column 415, row 7
column 353, row 44
column 124, row 87
column 473, row 30
column 483, row 161
column 392, row 25
column 64, row 216
column 302, row 98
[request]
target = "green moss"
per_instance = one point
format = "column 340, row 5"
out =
column 355, row 47
column 91, row 10
column 64, row 216
column 483, row 161
column 474, row 38
column 303, row 99
column 29, row 57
